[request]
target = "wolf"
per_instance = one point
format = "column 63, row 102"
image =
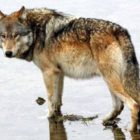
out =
column 63, row 45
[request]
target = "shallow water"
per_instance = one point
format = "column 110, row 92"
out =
column 23, row 119
column 58, row 131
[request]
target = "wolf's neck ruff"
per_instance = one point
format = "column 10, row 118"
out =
column 44, row 24
column 28, row 55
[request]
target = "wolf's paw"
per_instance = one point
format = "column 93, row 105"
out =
column 112, row 123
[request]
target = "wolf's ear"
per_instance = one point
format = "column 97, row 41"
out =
column 21, row 13
column 1, row 15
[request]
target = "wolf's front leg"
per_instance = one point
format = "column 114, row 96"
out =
column 54, row 84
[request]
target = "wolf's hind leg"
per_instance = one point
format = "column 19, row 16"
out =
column 123, row 95
column 114, row 81
column 117, row 109
column 54, row 84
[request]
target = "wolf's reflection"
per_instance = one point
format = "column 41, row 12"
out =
column 57, row 130
column 120, row 135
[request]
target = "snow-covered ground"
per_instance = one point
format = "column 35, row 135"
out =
column 21, row 82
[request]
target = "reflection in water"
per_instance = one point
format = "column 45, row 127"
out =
column 56, row 126
column 57, row 130
column 119, row 134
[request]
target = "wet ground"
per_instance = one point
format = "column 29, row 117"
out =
column 21, row 118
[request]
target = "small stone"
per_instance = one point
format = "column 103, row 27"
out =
column 40, row 101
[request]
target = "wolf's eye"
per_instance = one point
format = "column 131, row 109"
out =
column 2, row 36
column 15, row 35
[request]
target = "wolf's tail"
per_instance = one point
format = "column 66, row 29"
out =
column 130, row 76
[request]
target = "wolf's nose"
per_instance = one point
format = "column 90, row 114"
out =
column 8, row 54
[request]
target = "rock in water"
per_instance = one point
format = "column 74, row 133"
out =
column 40, row 101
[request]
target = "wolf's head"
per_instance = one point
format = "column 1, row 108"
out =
column 15, row 36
